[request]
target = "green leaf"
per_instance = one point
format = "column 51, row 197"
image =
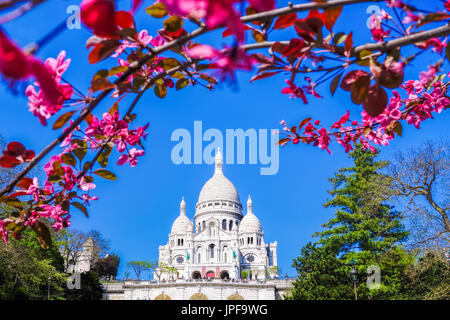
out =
column 181, row 83
column 339, row 38
column 173, row 23
column 335, row 83
column 62, row 120
column 169, row 63
column 69, row 159
column 104, row 156
column 44, row 237
column 81, row 207
column 160, row 91
column 178, row 75
column 81, row 151
column 157, row 10
column 363, row 54
column 54, row 178
column 116, row 70
column 105, row 174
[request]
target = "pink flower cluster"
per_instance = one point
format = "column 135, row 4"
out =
column 419, row 105
column 295, row 91
column 111, row 127
column 37, row 102
column 377, row 31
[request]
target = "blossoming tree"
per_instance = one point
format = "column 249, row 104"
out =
column 372, row 73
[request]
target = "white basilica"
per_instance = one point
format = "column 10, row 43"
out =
column 221, row 242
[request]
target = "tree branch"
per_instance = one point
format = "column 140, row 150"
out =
column 135, row 66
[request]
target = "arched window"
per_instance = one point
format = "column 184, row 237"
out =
column 224, row 224
column 211, row 229
column 231, row 225
column 199, row 258
column 211, row 251
column 248, row 240
column 225, row 254
column 204, row 225
column 182, row 242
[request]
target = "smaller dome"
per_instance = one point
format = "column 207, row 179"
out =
column 182, row 224
column 250, row 222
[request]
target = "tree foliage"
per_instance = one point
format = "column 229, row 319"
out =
column 363, row 232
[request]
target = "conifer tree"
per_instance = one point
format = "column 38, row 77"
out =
column 364, row 231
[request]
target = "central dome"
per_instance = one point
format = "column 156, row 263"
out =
column 218, row 187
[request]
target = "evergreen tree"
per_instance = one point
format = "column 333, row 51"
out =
column 363, row 232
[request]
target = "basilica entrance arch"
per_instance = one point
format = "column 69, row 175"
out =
column 196, row 275
column 224, row 275
column 210, row 275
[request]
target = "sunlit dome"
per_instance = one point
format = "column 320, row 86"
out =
column 250, row 222
column 218, row 187
column 182, row 224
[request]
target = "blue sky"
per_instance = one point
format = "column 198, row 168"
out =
column 136, row 212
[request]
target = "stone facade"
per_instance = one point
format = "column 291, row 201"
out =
column 213, row 289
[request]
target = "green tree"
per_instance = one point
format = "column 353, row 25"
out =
column 364, row 231
column 429, row 278
column 107, row 266
column 25, row 269
column 139, row 267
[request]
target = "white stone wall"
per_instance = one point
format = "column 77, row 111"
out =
column 184, row 290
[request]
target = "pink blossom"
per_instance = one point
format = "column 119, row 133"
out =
column 87, row 198
column 323, row 140
column 294, row 91
column 131, row 157
column 413, row 86
column 411, row 17
column 86, row 186
column 157, row 41
column 38, row 103
column 58, row 65
column 436, row 44
column 3, row 230
column 48, row 167
column 33, row 189
column 342, row 120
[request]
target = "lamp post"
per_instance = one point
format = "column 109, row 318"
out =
column 354, row 278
